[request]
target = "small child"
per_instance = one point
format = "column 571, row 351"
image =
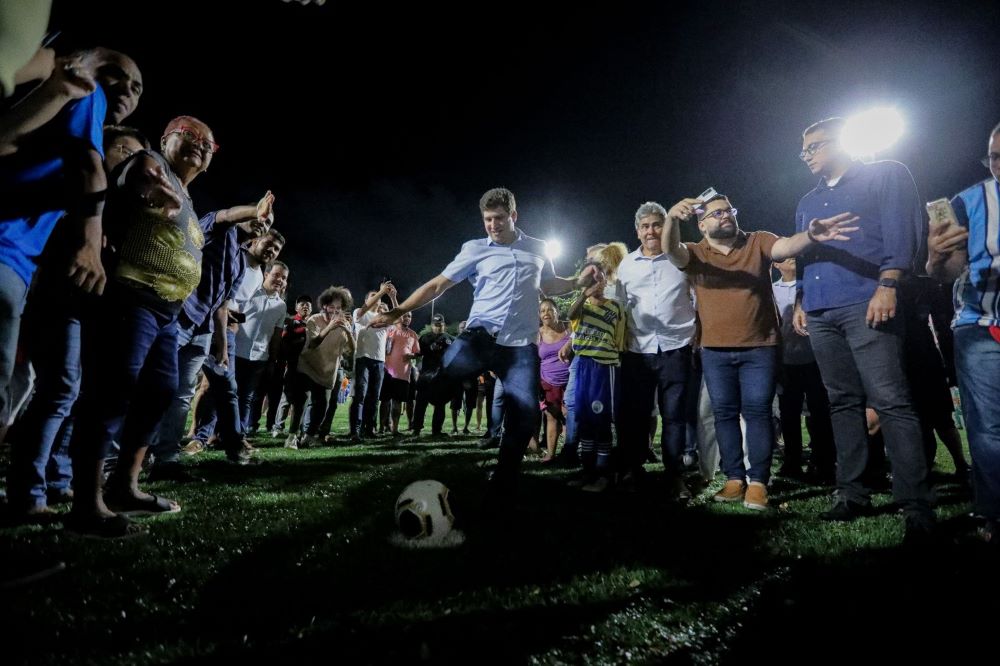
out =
column 598, row 325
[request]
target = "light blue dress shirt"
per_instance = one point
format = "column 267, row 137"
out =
column 506, row 282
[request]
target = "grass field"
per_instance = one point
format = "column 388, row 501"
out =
column 289, row 561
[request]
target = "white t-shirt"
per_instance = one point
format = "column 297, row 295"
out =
column 371, row 341
column 253, row 279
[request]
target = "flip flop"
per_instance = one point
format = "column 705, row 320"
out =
column 102, row 527
column 133, row 506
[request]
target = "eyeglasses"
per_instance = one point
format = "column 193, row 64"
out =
column 721, row 213
column 812, row 149
column 192, row 136
column 123, row 150
column 990, row 159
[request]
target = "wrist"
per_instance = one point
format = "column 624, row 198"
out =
column 809, row 235
column 888, row 283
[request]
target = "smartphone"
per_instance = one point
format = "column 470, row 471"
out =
column 707, row 194
column 941, row 213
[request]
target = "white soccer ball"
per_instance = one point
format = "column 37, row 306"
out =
column 423, row 511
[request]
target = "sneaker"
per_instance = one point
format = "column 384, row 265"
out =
column 307, row 441
column 677, row 490
column 488, row 442
column 64, row 496
column 193, row 448
column 465, row 431
column 355, row 438
column 292, row 442
column 845, row 511
column 580, row 480
column 756, row 496
column 598, row 486
column 733, row 491
column 277, row 432
column 240, row 455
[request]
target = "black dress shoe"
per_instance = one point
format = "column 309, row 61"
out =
column 846, row 511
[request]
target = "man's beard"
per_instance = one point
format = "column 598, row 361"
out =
column 723, row 232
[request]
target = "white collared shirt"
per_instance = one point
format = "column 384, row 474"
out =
column 264, row 314
column 506, row 282
column 657, row 297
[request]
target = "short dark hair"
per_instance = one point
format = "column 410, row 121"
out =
column 304, row 298
column 995, row 129
column 279, row 264
column 829, row 125
column 112, row 132
column 331, row 294
column 498, row 197
column 276, row 235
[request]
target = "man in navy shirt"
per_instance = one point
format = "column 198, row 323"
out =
column 847, row 304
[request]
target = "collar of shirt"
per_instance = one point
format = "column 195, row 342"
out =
column 517, row 236
column 851, row 172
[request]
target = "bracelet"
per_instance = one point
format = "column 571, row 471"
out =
column 809, row 235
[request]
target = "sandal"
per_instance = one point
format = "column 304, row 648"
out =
column 130, row 505
column 90, row 526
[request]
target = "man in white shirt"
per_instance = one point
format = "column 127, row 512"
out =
column 507, row 270
column 265, row 313
column 369, row 361
column 657, row 360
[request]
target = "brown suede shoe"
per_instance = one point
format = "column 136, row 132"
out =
column 756, row 496
column 731, row 492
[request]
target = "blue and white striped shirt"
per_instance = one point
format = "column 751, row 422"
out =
column 977, row 296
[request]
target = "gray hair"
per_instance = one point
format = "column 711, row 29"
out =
column 650, row 208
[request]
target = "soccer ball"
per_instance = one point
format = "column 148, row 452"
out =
column 423, row 512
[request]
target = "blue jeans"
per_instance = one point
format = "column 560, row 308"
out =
column 367, row 385
column 249, row 375
column 191, row 352
column 221, row 403
column 569, row 399
column 977, row 360
column 644, row 378
column 13, row 292
column 518, row 369
column 741, row 380
column 40, row 460
column 129, row 378
column 862, row 367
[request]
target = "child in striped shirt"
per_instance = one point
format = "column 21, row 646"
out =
column 598, row 325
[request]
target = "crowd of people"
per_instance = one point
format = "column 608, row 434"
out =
column 167, row 317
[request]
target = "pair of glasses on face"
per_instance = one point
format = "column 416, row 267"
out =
column 990, row 159
column 721, row 213
column 812, row 149
column 191, row 136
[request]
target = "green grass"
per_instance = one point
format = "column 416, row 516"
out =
column 289, row 561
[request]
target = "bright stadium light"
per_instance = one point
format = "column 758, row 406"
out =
column 553, row 249
column 871, row 132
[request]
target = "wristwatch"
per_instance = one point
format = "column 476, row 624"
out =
column 887, row 282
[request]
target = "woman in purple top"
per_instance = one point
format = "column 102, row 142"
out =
column 552, row 335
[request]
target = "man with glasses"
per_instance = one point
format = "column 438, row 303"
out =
column 967, row 252
column 731, row 274
column 507, row 270
column 847, row 304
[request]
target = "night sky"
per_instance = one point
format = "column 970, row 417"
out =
column 379, row 127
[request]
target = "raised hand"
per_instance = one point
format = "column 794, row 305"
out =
column 158, row 192
column 684, row 209
column 832, row 228
column 944, row 239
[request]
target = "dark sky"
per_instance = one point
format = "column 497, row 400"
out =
column 379, row 127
